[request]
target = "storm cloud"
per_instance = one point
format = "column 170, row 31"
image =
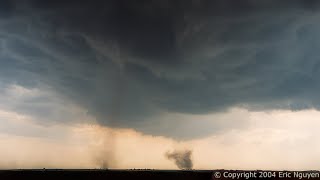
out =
column 127, row 62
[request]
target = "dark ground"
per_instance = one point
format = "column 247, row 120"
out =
column 104, row 174
column 98, row 174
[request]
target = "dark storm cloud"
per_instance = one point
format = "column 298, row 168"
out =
column 127, row 61
column 6, row 8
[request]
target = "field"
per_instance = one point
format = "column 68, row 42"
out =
column 146, row 174
column 93, row 174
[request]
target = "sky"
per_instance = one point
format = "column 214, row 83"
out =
column 160, row 84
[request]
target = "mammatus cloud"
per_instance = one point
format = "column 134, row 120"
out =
column 181, row 158
column 129, row 63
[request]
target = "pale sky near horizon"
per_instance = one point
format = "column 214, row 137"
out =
column 117, row 84
column 275, row 140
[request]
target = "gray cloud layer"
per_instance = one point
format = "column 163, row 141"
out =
column 128, row 61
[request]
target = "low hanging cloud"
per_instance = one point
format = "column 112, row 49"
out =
column 181, row 158
column 128, row 63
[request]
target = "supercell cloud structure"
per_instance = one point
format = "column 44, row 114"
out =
column 127, row 62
